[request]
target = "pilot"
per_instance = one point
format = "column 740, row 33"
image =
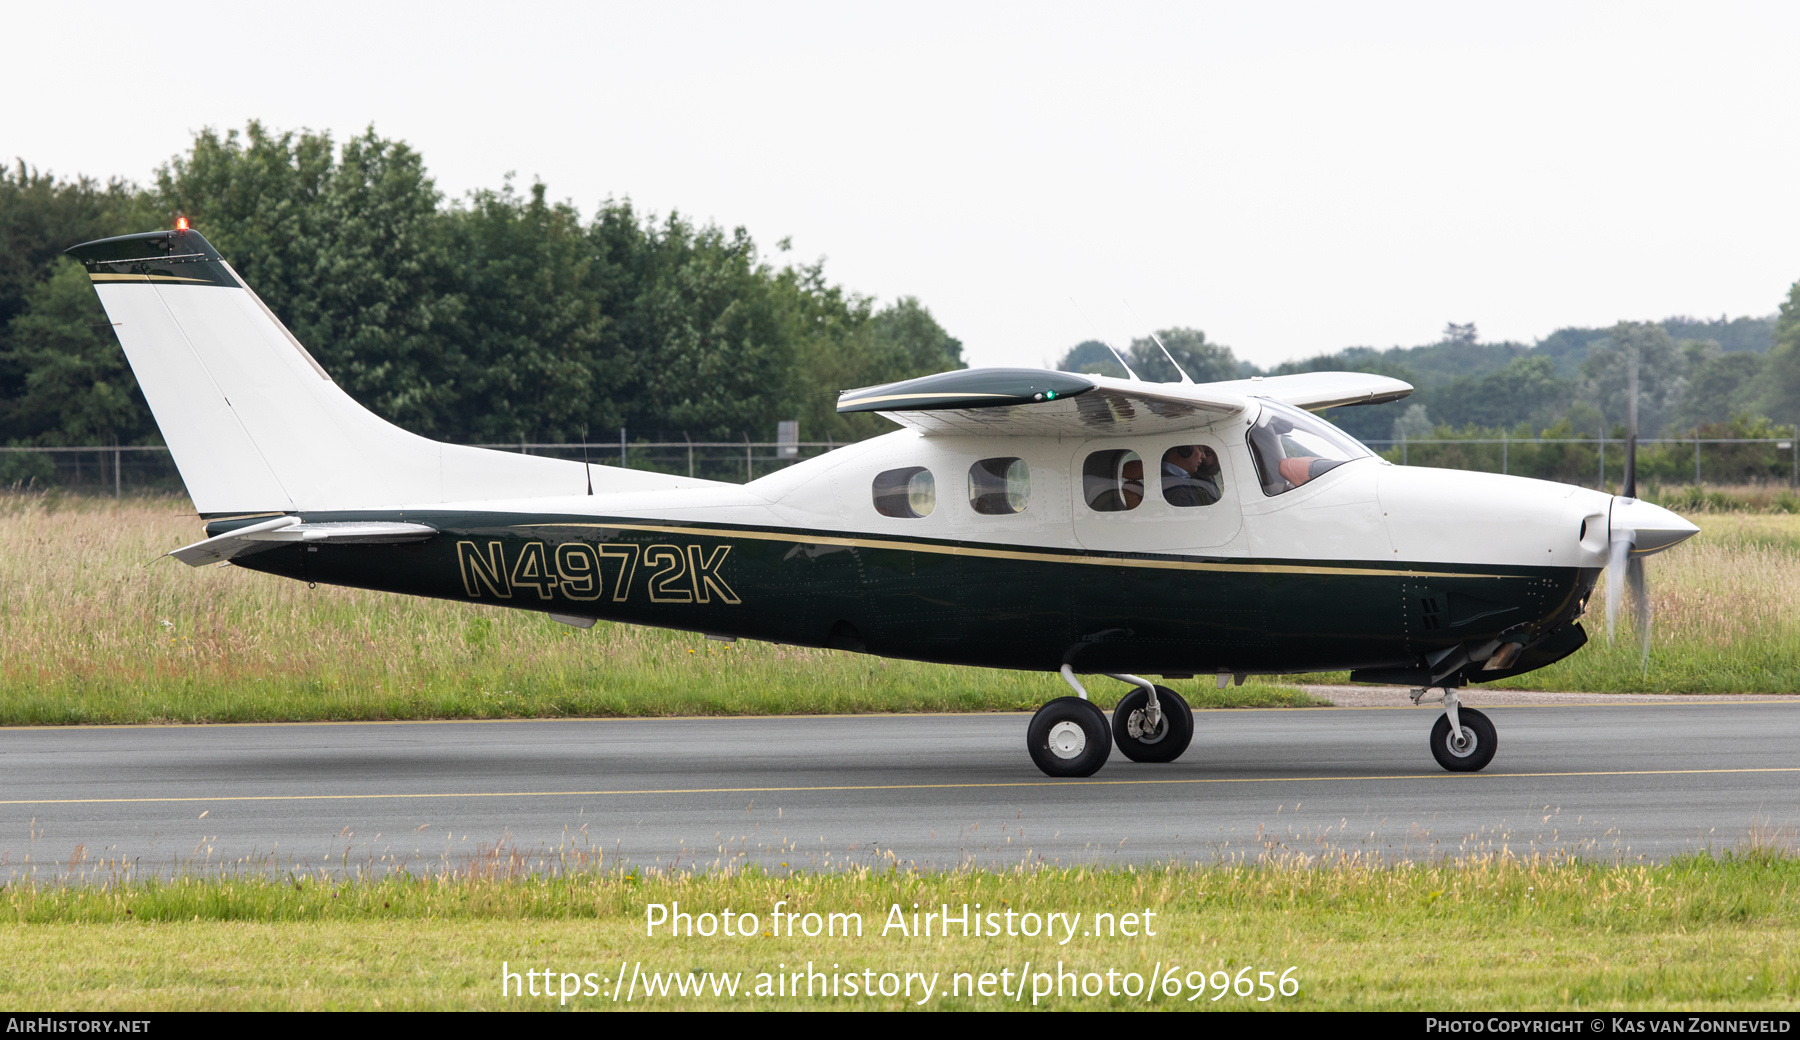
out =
column 1190, row 475
column 1298, row 469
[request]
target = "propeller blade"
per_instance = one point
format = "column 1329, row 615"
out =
column 1615, row 580
column 1629, row 490
column 1640, row 604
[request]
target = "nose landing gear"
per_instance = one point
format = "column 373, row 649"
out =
column 1462, row 739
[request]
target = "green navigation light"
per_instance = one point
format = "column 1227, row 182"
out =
column 1049, row 395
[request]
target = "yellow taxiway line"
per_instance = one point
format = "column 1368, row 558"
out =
column 883, row 787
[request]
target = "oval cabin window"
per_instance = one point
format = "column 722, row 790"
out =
column 1113, row 481
column 909, row 492
column 998, row 487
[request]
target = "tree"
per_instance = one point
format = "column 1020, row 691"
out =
column 74, row 384
column 1527, row 390
column 1204, row 362
column 1781, row 397
column 1661, row 375
column 1721, row 386
column 1093, row 357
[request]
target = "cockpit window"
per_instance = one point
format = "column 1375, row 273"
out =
column 909, row 492
column 1292, row 447
column 1001, row 486
column 1112, row 481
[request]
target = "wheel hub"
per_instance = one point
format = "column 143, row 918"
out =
column 1461, row 745
column 1067, row 740
column 1142, row 733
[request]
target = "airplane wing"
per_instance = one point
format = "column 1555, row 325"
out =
column 288, row 529
column 1317, row 390
column 1032, row 401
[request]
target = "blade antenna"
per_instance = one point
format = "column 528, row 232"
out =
column 585, row 466
column 1104, row 343
column 1181, row 371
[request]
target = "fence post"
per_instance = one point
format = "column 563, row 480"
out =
column 1402, row 447
column 116, row 483
column 747, row 458
column 1696, row 455
column 1505, row 444
column 621, row 447
column 690, row 444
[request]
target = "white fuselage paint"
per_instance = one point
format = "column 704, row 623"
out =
column 1365, row 510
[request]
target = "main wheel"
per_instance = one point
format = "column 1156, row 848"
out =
column 1068, row 737
column 1163, row 743
column 1477, row 748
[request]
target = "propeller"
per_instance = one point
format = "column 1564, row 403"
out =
column 1638, row 529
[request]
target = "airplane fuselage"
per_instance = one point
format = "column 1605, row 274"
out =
column 1368, row 567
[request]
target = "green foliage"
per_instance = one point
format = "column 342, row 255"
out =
column 1203, row 361
column 1526, row 390
column 1781, row 398
column 73, row 384
column 500, row 317
column 1662, row 375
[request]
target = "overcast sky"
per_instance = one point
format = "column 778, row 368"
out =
column 1291, row 178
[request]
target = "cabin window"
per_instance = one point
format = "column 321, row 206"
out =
column 1191, row 476
column 909, row 492
column 998, row 487
column 1113, row 481
column 1292, row 447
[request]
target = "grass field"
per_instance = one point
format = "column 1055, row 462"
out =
column 100, row 628
column 1492, row 933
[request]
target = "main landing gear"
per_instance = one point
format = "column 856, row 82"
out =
column 1462, row 740
column 1069, row 737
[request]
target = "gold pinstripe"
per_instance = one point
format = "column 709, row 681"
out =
column 1009, row 554
column 148, row 278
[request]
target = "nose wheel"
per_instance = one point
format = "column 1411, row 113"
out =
column 1463, row 740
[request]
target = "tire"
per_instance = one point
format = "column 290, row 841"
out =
column 1068, row 737
column 1172, row 735
column 1481, row 733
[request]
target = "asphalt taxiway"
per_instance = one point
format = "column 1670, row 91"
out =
column 1606, row 781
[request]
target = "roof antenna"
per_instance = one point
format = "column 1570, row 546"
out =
column 585, row 467
column 1183, row 372
column 1104, row 343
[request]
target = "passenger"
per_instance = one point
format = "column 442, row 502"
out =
column 1190, row 475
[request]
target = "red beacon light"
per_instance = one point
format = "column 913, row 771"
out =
column 181, row 224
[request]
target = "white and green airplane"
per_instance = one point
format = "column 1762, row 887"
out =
column 1023, row 518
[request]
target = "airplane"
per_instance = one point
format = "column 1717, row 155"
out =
column 1019, row 518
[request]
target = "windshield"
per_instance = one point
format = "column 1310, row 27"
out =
column 1292, row 447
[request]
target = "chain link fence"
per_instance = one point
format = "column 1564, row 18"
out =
column 1588, row 461
column 122, row 469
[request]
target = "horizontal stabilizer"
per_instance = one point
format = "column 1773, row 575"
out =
column 284, row 530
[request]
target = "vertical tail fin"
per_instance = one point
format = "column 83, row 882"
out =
column 253, row 421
